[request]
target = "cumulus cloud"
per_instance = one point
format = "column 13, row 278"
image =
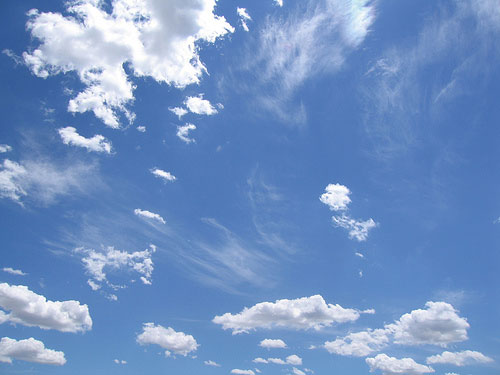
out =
column 294, row 360
column 272, row 344
column 167, row 338
column 33, row 310
column 178, row 111
column 242, row 372
column 200, row 106
column 359, row 344
column 5, row 148
column 301, row 313
column 438, row 324
column 336, row 197
column 120, row 362
column 358, row 230
column 12, row 271
column 97, row 143
column 43, row 181
column 183, row 132
column 149, row 215
column 211, row 363
column 153, row 38
column 166, row 176
column 463, row 358
column 296, row 371
column 29, row 350
column 393, row 366
column 244, row 17
column 141, row 129
column 98, row 263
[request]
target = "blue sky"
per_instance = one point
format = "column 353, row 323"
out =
column 242, row 187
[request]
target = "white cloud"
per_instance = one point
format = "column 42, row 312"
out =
column 141, row 129
column 276, row 361
column 43, row 181
column 260, row 360
column 439, row 324
column 97, row 263
column 211, row 363
column 244, row 17
column 294, row 360
column 5, row 148
column 393, row 366
column 97, row 143
column 359, row 344
column 149, row 215
column 301, row 313
column 167, row 338
column 242, row 372
column 296, row 371
column 33, row 310
column 463, row 358
column 12, row 271
column 183, row 132
column 358, row 230
column 178, row 111
column 155, row 38
column 359, row 255
column 200, row 106
column 336, row 197
column 314, row 39
column 279, row 2
column 272, row 344
column 120, row 362
column 166, row 176
column 29, row 350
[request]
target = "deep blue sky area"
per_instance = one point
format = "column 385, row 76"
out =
column 241, row 187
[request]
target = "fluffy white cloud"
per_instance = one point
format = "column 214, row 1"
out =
column 393, row 366
column 12, row 271
column 29, row 350
column 183, row 132
column 272, row 344
column 30, row 309
column 42, row 180
column 97, row 143
column 178, row 111
column 211, row 363
column 166, row 176
column 357, row 229
column 154, row 38
column 294, row 360
column 141, row 129
column 97, row 263
column 149, row 215
column 276, row 361
column 242, row 372
column 244, row 17
column 336, row 196
column 5, row 148
column 359, row 344
column 167, row 338
column 296, row 371
column 260, row 360
column 359, row 255
column 439, row 324
column 301, row 313
column 463, row 358
column 120, row 362
column 200, row 106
